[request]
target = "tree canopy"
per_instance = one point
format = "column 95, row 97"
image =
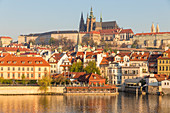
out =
column 44, row 83
column 76, row 67
column 92, row 68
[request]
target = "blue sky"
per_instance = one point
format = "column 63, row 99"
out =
column 32, row 16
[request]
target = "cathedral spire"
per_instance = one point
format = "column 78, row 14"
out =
column 153, row 28
column 157, row 28
column 81, row 26
column 91, row 13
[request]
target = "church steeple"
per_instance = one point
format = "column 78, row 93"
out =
column 153, row 28
column 91, row 13
column 157, row 28
column 81, row 26
column 101, row 17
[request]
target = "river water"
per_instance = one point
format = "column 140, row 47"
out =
column 122, row 103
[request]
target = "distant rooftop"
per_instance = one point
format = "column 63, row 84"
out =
column 51, row 32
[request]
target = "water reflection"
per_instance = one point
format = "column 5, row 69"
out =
column 124, row 103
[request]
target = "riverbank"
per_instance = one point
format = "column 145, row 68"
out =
column 29, row 90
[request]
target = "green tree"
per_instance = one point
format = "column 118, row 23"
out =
column 23, row 79
column 1, row 80
column 44, row 83
column 92, row 68
column 135, row 44
column 76, row 67
column 52, row 41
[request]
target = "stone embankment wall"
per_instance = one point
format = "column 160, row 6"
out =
column 19, row 90
column 166, row 91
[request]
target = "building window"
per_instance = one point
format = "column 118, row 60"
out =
column 166, row 68
column 32, row 75
column 27, row 75
column 45, row 69
column 31, row 69
column 41, row 62
column 18, row 68
column 39, row 75
column 51, row 66
column 23, row 62
column 13, row 68
column 163, row 68
column 23, row 69
column 1, row 74
column 18, row 75
column 165, row 83
column 1, row 68
column 8, row 75
column 160, row 61
column 160, row 68
column 167, row 61
column 13, row 75
column 39, row 69
column 8, row 68
column 27, row 68
column 163, row 61
column 51, row 71
column 54, row 66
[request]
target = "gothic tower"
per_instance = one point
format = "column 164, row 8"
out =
column 81, row 26
column 157, row 28
column 153, row 28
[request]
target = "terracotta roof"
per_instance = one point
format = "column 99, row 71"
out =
column 161, row 77
column 5, row 37
column 168, row 57
column 13, row 49
column 57, row 57
column 10, row 60
column 115, row 31
column 140, row 57
column 104, row 61
column 91, row 76
column 138, row 34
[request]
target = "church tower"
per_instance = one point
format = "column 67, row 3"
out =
column 101, row 17
column 81, row 26
column 78, row 47
column 157, row 28
column 153, row 28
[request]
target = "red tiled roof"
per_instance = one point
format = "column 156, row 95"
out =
column 139, row 57
column 115, row 31
column 13, row 49
column 10, row 60
column 57, row 56
column 161, row 77
column 5, row 37
column 138, row 34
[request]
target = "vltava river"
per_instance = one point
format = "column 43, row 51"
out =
column 123, row 103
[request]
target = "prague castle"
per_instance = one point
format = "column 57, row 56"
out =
column 154, row 39
column 92, row 25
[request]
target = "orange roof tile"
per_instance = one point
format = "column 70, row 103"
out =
column 10, row 60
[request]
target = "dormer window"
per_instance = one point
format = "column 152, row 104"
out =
column 37, row 62
column 139, row 57
column 41, row 62
column 2, row 62
column 29, row 62
column 8, row 62
column 14, row 62
column 23, row 62
column 133, row 57
column 94, row 77
column 145, row 57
